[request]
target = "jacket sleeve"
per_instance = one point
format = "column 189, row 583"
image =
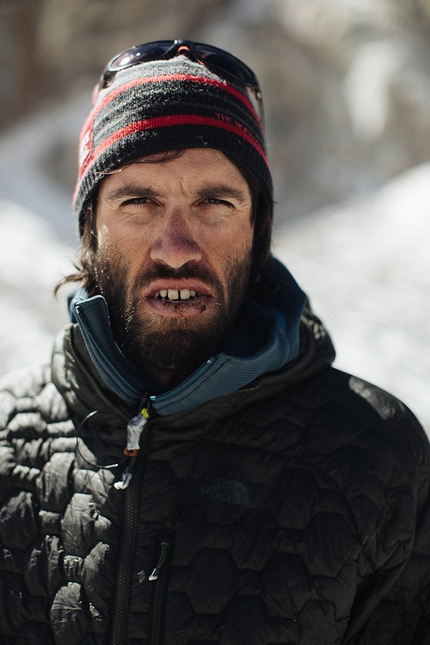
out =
column 28, row 426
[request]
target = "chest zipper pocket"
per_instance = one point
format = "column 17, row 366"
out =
column 160, row 578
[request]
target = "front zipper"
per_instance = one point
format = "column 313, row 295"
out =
column 160, row 578
column 127, row 549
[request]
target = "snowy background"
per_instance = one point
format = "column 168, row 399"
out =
column 365, row 264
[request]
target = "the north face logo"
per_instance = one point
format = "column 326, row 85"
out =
column 226, row 490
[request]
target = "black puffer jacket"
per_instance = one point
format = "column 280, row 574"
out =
column 295, row 510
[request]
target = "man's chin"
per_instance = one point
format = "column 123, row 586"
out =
column 173, row 348
column 176, row 320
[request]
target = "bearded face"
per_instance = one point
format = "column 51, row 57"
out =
column 174, row 258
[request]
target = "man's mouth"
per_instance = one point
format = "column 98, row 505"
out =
column 175, row 295
column 185, row 302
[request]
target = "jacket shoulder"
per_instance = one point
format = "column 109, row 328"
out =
column 371, row 444
column 358, row 414
column 373, row 406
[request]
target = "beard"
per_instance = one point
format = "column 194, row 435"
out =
column 162, row 345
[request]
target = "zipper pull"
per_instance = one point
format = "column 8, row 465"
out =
column 126, row 478
column 164, row 548
column 134, row 430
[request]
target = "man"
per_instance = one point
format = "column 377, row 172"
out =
column 190, row 468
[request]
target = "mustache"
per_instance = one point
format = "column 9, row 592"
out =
column 185, row 272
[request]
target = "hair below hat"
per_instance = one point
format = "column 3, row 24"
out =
column 166, row 105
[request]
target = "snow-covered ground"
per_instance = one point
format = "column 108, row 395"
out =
column 365, row 265
column 366, row 268
column 32, row 260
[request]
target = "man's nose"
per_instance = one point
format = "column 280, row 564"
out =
column 176, row 245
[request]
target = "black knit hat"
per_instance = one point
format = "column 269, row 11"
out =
column 167, row 105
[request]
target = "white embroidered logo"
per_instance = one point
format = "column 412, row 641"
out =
column 84, row 148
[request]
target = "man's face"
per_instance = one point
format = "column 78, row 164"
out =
column 174, row 256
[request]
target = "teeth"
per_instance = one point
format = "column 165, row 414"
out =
column 176, row 294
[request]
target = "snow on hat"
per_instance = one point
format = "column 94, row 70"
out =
column 165, row 105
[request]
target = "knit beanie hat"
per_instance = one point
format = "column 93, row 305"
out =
column 167, row 105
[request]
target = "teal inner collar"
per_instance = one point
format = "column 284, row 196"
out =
column 263, row 340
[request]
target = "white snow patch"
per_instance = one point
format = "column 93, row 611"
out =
column 32, row 260
column 367, row 86
column 25, row 176
column 365, row 266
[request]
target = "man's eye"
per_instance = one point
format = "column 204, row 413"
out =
column 136, row 201
column 215, row 200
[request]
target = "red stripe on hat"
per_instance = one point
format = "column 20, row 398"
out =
column 175, row 120
column 176, row 77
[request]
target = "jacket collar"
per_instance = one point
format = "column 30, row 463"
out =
column 265, row 338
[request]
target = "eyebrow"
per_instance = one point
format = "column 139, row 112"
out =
column 221, row 190
column 129, row 190
column 216, row 191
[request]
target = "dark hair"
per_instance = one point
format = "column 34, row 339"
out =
column 261, row 217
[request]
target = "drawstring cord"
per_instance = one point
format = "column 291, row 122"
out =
column 164, row 548
column 78, row 450
column 134, row 430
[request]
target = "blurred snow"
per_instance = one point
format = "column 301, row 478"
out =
column 367, row 87
column 38, row 163
column 32, row 260
column 365, row 264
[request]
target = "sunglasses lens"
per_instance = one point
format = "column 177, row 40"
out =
column 147, row 52
column 226, row 63
column 208, row 55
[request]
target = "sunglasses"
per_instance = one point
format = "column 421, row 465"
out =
column 211, row 57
